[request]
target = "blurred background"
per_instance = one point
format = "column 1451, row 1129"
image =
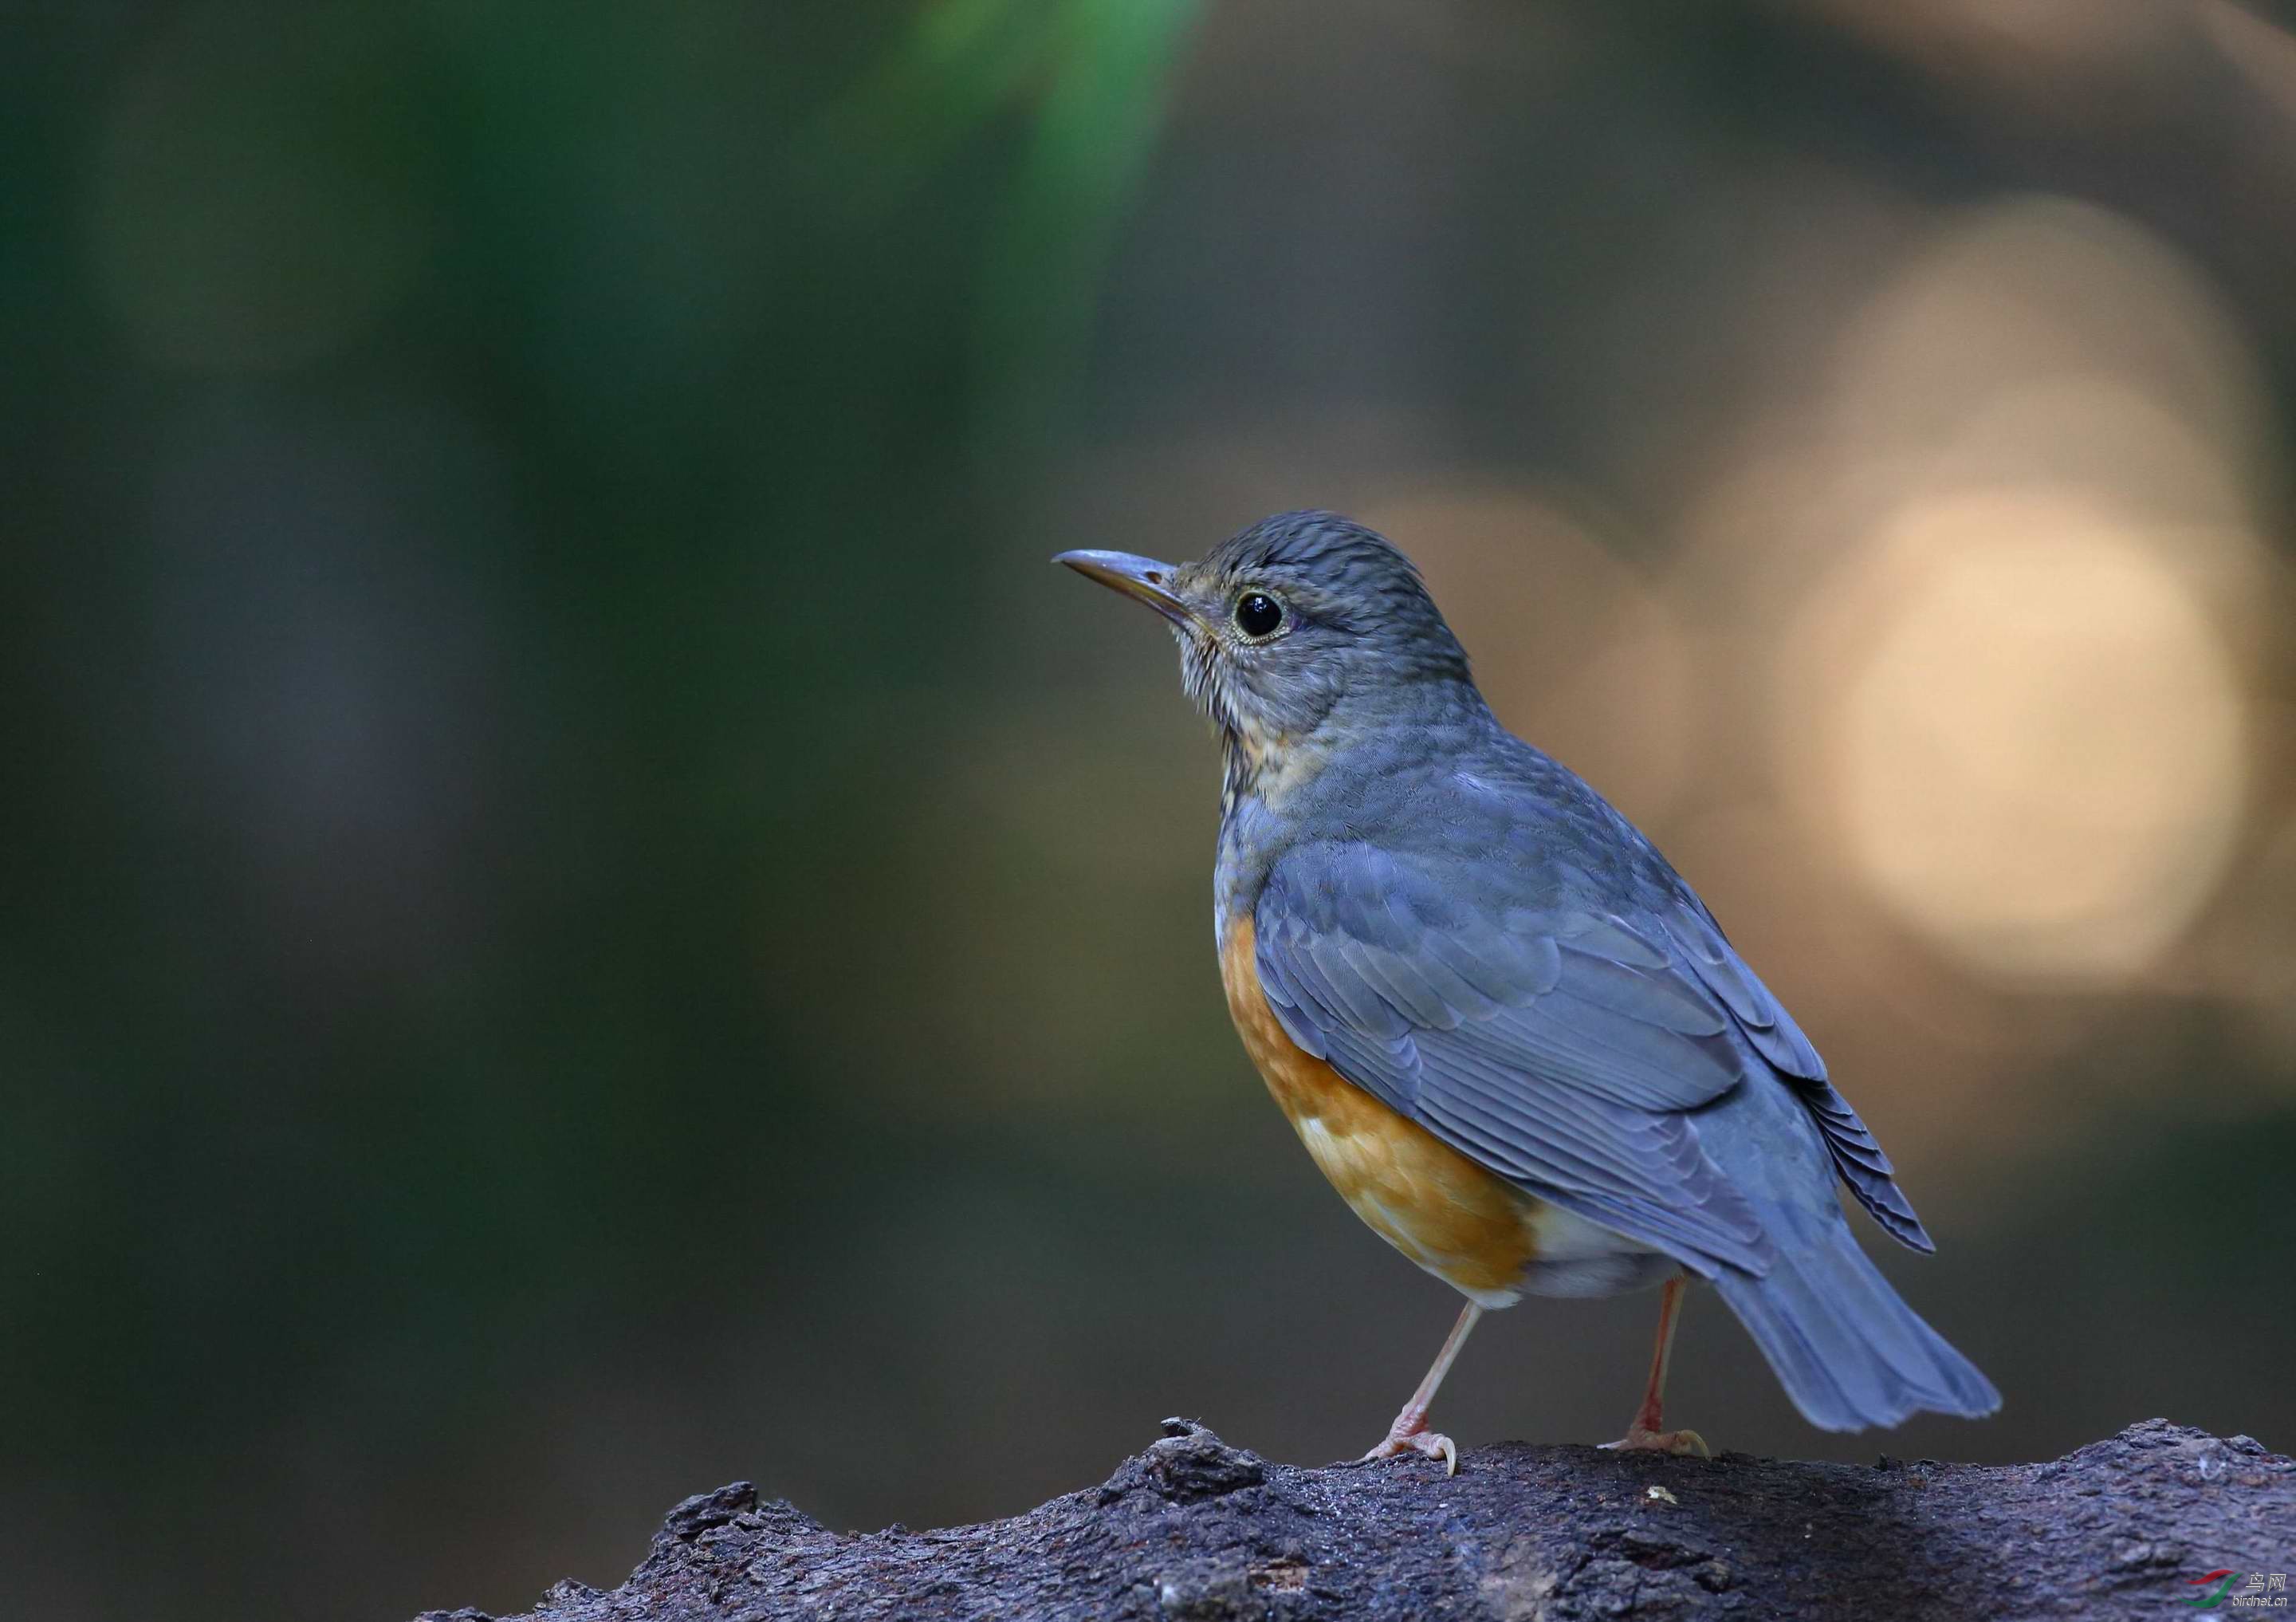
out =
column 587, row 916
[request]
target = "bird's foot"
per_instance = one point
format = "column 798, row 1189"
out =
column 1683, row 1443
column 1415, row 1437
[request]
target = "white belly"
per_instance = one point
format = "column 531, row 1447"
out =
column 1577, row 1257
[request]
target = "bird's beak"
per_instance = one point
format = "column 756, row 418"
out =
column 1143, row 578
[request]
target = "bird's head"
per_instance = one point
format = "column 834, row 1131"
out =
column 1305, row 625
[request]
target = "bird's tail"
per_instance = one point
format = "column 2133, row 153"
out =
column 1848, row 1351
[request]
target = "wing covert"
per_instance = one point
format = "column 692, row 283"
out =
column 1565, row 1051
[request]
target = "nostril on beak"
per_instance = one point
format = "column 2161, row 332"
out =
column 1143, row 578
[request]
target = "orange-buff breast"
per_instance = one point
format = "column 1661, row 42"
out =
column 1466, row 1225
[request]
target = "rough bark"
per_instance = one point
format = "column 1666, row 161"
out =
column 1194, row 1528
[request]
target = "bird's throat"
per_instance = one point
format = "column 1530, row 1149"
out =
column 1266, row 767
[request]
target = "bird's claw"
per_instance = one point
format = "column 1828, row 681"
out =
column 1680, row 1443
column 1434, row 1444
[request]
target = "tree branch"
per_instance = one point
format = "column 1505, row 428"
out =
column 1194, row 1528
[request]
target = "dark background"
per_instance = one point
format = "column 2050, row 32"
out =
column 585, row 915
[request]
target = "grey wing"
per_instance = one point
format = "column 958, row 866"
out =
column 1566, row 1050
column 1857, row 1155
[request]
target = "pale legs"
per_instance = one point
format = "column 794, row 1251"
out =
column 1409, row 1433
column 1645, row 1435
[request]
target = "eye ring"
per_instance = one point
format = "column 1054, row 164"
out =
column 1258, row 615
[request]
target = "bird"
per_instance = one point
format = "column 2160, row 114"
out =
column 1502, row 1024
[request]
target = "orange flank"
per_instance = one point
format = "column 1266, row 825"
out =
column 1466, row 1225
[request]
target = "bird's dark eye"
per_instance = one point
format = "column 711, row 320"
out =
column 1256, row 614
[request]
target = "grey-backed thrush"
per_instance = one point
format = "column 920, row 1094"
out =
column 1507, row 1031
